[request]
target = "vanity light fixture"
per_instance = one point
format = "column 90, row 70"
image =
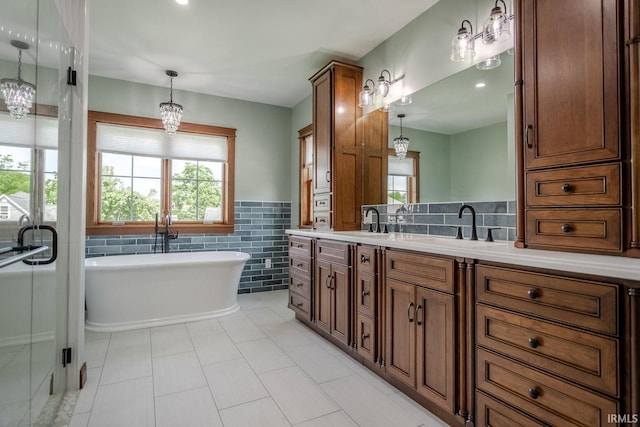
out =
column 401, row 143
column 489, row 63
column 496, row 27
column 18, row 94
column 171, row 112
column 384, row 84
column 405, row 100
column 463, row 44
column 366, row 96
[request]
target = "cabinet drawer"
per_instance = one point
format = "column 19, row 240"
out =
column 580, row 303
column 366, row 293
column 300, row 286
column 366, row 259
column 578, row 356
column 490, row 412
column 366, row 337
column 582, row 230
column 300, row 246
column 300, row 304
column 332, row 251
column 322, row 202
column 321, row 220
column 419, row 269
column 552, row 401
column 582, row 186
column 300, row 266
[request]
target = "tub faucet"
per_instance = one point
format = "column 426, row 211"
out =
column 474, row 233
column 24, row 219
column 167, row 236
column 372, row 209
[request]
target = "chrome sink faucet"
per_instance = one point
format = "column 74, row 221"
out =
column 474, row 233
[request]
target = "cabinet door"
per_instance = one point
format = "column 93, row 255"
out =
column 340, row 302
column 570, row 74
column 323, row 296
column 435, row 354
column 400, row 331
column 322, row 130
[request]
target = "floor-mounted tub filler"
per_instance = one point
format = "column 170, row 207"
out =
column 139, row 291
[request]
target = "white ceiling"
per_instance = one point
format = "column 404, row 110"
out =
column 261, row 51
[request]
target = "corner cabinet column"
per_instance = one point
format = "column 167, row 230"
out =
column 633, row 59
column 337, row 130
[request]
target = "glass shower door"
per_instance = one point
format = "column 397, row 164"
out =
column 32, row 293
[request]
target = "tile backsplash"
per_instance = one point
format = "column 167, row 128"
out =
column 441, row 219
column 259, row 231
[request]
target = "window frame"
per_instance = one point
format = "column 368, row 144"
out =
column 413, row 182
column 305, row 219
column 95, row 227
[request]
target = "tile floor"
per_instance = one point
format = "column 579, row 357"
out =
column 256, row 367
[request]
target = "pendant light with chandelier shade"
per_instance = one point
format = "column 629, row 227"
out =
column 170, row 112
column 401, row 143
column 18, row 94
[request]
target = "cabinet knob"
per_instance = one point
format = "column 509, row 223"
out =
column 299, row 285
column 299, row 304
column 327, row 175
column 299, row 265
column 566, row 188
column 299, row 246
column 533, row 294
column 364, row 293
column 533, row 393
column 364, row 259
column 533, row 343
column 566, row 228
column 362, row 338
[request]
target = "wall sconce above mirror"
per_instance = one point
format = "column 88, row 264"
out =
column 377, row 92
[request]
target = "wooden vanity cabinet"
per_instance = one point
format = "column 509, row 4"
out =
column 570, row 133
column 333, row 289
column 301, row 277
column 420, row 325
column 366, row 302
column 548, row 348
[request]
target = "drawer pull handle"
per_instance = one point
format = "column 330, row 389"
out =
column 327, row 282
column 533, row 393
column 418, row 308
column 364, row 293
column 299, row 285
column 566, row 188
column 526, row 136
column 566, row 228
column 409, row 312
column 322, row 203
column 364, row 259
column 299, row 246
column 362, row 338
column 533, row 343
column 299, row 304
column 533, row 294
column 299, row 265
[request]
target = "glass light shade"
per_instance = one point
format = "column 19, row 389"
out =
column 405, row 100
column 463, row 46
column 401, row 144
column 18, row 95
column 496, row 27
column 489, row 63
column 366, row 97
column 383, row 87
column 171, row 114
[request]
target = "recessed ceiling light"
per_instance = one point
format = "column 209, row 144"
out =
column 480, row 84
column 182, row 1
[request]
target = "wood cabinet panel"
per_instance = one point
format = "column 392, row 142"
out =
column 400, row 349
column 300, row 266
column 322, row 202
column 423, row 270
column 578, row 356
column 544, row 397
column 587, row 185
column 322, row 220
column 300, row 305
column 366, row 337
column 366, row 259
column 570, row 73
column 300, row 246
column 322, row 298
column 580, row 303
column 340, row 302
column 299, row 285
column 322, row 132
column 435, row 353
column 492, row 413
column 582, row 230
column 366, row 293
column 332, row 251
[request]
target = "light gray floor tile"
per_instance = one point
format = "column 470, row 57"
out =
column 263, row 413
column 168, row 340
column 320, row 365
column 192, row 408
column 240, row 328
column 88, row 393
column 299, row 398
column 80, row 420
column 264, row 355
column 287, row 336
column 128, row 357
column 426, row 417
column 177, row 372
column 367, row 375
column 215, row 347
column 127, row 403
column 337, row 419
column 233, row 382
column 369, row 406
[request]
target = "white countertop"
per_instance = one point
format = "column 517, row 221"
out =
column 498, row 251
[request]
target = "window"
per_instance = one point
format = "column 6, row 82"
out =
column 305, row 135
column 29, row 167
column 403, row 178
column 137, row 172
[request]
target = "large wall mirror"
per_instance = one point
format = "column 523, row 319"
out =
column 463, row 129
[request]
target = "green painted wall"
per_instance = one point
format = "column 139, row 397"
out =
column 263, row 157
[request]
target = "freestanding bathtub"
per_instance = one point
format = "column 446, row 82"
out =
column 138, row 291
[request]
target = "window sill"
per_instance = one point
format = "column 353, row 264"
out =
column 182, row 228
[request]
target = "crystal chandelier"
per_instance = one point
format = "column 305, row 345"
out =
column 401, row 143
column 18, row 94
column 171, row 112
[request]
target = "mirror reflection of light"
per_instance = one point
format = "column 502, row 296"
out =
column 183, row 2
column 340, row 109
column 480, row 85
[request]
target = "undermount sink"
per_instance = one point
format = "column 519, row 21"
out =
column 419, row 238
